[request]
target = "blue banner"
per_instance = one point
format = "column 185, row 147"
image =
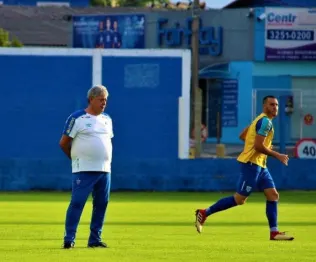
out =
column 109, row 31
column 230, row 103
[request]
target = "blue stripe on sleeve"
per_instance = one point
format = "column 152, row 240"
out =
column 263, row 126
column 71, row 121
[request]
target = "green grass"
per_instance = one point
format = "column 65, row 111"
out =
column 157, row 227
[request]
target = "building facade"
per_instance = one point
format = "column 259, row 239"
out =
column 245, row 54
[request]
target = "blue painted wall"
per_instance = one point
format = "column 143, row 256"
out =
column 297, row 68
column 37, row 95
column 241, row 71
column 49, row 88
column 36, row 103
column 156, row 174
column 42, row 91
column 145, row 116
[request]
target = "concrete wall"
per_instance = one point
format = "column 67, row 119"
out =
column 237, row 39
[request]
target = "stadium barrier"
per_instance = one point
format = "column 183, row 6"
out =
column 154, row 175
column 148, row 103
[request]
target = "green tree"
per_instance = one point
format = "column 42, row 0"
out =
column 128, row 3
column 133, row 3
column 101, row 2
column 5, row 40
column 16, row 42
column 141, row 3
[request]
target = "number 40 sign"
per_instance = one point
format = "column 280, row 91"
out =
column 306, row 148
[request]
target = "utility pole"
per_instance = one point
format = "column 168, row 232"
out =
column 196, row 96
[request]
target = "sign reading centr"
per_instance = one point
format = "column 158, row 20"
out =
column 281, row 19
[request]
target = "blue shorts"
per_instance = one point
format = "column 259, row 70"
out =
column 253, row 177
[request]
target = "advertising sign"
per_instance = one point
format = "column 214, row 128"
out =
column 109, row 31
column 290, row 34
column 230, row 103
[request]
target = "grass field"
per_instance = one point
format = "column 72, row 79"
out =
column 157, row 227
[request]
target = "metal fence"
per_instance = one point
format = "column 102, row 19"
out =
column 299, row 122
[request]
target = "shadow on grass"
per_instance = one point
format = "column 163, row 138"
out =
column 164, row 223
column 42, row 239
column 294, row 197
column 10, row 250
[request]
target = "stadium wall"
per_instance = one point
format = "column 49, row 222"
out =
column 35, row 173
column 41, row 87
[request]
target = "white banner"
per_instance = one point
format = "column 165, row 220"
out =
column 290, row 34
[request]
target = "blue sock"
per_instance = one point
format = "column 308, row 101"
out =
column 272, row 214
column 220, row 205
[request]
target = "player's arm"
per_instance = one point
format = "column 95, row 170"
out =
column 243, row 134
column 263, row 127
column 65, row 145
column 260, row 147
column 69, row 132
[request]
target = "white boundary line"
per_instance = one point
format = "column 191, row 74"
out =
column 51, row 51
column 45, row 51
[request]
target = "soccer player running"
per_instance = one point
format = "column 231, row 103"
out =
column 86, row 140
column 254, row 172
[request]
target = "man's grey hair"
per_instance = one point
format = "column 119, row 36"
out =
column 97, row 91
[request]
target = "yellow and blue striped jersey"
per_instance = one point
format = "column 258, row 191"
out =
column 262, row 125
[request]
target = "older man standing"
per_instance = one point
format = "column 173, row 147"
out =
column 86, row 140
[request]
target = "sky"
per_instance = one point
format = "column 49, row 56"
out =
column 214, row 3
column 217, row 3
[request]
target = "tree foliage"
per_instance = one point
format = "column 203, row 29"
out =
column 101, row 2
column 126, row 3
column 5, row 40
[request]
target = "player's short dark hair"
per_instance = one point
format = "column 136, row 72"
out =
column 266, row 98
